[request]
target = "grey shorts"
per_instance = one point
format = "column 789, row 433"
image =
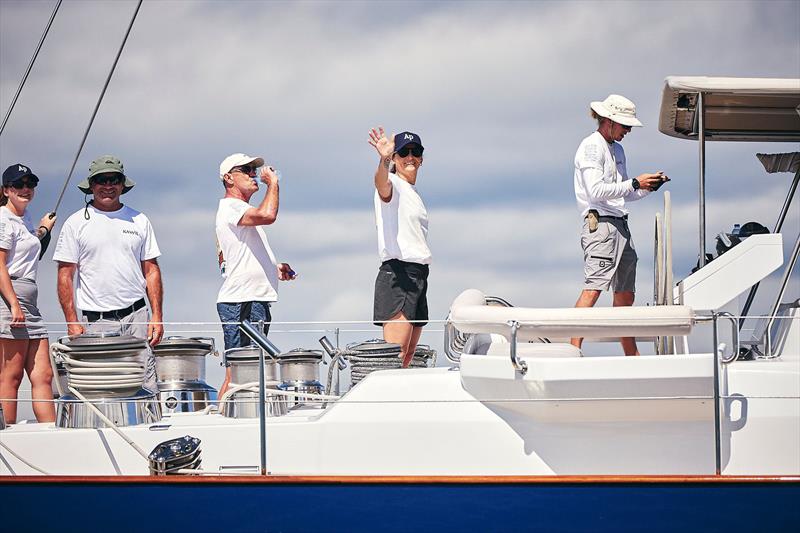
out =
column 609, row 258
column 27, row 294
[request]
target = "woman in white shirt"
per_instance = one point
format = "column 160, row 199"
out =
column 23, row 337
column 401, row 304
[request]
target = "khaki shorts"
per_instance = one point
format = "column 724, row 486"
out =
column 609, row 258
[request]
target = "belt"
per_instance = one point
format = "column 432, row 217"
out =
column 117, row 314
column 624, row 217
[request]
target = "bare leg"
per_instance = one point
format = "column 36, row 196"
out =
column 226, row 383
column 623, row 299
column 411, row 348
column 399, row 331
column 11, row 371
column 587, row 298
column 37, row 366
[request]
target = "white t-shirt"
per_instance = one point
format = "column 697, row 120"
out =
column 251, row 272
column 19, row 239
column 601, row 177
column 402, row 224
column 109, row 249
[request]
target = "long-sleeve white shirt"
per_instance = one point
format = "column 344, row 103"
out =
column 601, row 178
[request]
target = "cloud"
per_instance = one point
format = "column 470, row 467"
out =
column 498, row 91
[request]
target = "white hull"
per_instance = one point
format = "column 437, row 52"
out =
column 439, row 422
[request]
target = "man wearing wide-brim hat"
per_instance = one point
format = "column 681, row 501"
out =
column 113, row 249
column 602, row 187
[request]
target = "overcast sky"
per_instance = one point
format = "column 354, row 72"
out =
column 499, row 93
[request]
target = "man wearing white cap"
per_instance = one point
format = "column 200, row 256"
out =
column 251, row 272
column 601, row 189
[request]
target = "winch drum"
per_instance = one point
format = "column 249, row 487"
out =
column 181, row 370
column 182, row 358
column 243, row 363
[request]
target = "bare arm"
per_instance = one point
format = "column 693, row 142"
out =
column 267, row 211
column 385, row 149
column 155, row 295
column 66, row 297
column 7, row 290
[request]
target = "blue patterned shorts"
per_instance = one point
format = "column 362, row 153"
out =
column 237, row 312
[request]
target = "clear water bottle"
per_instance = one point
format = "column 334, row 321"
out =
column 736, row 229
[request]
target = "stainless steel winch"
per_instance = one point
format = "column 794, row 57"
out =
column 243, row 403
column 300, row 373
column 108, row 370
column 181, row 371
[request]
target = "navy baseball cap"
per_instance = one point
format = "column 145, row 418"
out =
column 17, row 172
column 402, row 139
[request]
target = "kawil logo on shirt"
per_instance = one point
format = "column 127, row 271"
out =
column 130, row 232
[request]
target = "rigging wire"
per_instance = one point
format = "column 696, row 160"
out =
column 97, row 106
column 30, row 66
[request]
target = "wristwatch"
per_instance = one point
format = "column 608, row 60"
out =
column 635, row 184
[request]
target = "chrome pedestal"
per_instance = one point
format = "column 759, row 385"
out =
column 308, row 386
column 244, row 404
column 130, row 410
column 185, row 396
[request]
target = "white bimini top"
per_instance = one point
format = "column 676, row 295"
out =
column 402, row 224
column 251, row 272
column 19, row 239
column 109, row 249
column 601, row 177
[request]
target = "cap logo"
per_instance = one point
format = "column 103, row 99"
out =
column 20, row 168
column 408, row 137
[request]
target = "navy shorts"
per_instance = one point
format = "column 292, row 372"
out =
column 401, row 287
column 237, row 312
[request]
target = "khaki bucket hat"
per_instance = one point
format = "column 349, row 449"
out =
column 103, row 165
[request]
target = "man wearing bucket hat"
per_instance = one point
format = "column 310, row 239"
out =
column 113, row 249
column 601, row 189
column 251, row 274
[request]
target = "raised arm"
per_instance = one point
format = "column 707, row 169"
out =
column 155, row 295
column 267, row 211
column 385, row 148
column 66, row 297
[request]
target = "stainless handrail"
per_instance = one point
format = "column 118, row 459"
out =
column 519, row 365
column 454, row 340
column 735, row 337
column 258, row 337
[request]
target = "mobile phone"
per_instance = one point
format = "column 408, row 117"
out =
column 664, row 179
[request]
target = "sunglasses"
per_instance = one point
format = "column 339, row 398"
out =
column 244, row 169
column 30, row 183
column 413, row 149
column 107, row 180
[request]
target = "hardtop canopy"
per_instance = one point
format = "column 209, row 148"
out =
column 736, row 109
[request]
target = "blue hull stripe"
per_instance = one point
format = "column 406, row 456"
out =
column 423, row 507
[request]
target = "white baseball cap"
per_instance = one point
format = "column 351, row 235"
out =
column 237, row 160
column 617, row 108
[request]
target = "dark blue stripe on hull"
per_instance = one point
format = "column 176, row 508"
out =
column 330, row 507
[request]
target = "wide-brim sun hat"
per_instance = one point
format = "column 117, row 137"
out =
column 238, row 160
column 617, row 108
column 105, row 164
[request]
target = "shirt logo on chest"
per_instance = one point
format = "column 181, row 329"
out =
column 130, row 232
